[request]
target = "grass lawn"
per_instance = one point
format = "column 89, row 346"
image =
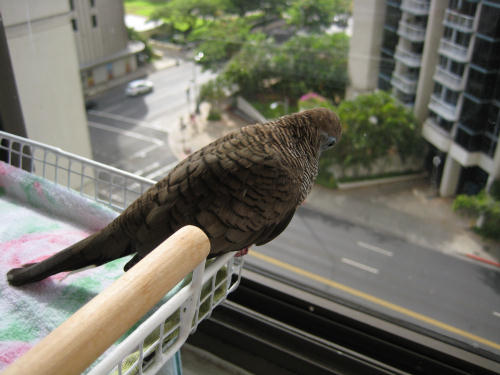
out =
column 272, row 113
column 143, row 7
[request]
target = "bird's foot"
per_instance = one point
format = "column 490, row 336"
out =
column 242, row 252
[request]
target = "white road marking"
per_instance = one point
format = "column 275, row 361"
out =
column 128, row 120
column 375, row 248
column 147, row 169
column 361, row 266
column 497, row 314
column 126, row 133
column 162, row 171
column 143, row 152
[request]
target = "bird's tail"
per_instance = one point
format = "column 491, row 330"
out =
column 96, row 249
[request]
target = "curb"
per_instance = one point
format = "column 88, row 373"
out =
column 484, row 260
column 379, row 181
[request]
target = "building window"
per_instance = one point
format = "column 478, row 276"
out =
column 90, row 78
column 443, row 61
column 481, row 84
column 438, row 88
column 457, row 68
column 94, row 20
column 441, row 122
column 468, row 140
column 474, row 114
column 486, row 53
column 489, row 24
column 74, row 25
column 109, row 70
column 448, row 33
column 462, row 39
column 71, row 5
column 451, row 97
column 92, row 3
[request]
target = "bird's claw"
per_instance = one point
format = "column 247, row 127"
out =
column 242, row 252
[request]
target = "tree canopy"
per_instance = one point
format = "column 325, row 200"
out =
column 236, row 38
column 375, row 125
column 315, row 15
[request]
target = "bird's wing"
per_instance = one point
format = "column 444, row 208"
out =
column 275, row 230
column 236, row 193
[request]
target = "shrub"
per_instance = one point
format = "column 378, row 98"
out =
column 214, row 114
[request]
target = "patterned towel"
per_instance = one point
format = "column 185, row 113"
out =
column 37, row 219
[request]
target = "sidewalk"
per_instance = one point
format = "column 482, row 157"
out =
column 409, row 210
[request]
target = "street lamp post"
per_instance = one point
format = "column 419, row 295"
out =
column 196, row 59
column 285, row 103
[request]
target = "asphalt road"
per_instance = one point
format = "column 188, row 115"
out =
column 388, row 275
column 131, row 133
column 376, row 271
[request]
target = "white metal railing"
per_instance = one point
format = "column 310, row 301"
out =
column 412, row 32
column 460, row 21
column 418, row 7
column 168, row 327
column 455, row 51
column 446, row 110
column 404, row 83
column 408, row 58
column 448, row 79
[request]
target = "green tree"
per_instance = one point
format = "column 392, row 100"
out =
column 249, row 69
column 271, row 8
column 148, row 50
column 312, row 62
column 484, row 205
column 214, row 91
column 315, row 15
column 220, row 39
column 185, row 15
column 375, row 125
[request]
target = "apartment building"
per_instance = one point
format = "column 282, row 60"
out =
column 40, row 50
column 442, row 59
column 104, row 51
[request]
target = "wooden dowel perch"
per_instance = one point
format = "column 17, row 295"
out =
column 79, row 341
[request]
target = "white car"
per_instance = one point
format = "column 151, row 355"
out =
column 138, row 87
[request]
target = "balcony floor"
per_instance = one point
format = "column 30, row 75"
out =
column 196, row 361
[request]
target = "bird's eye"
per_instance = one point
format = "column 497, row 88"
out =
column 331, row 141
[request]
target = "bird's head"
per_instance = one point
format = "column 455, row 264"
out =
column 328, row 124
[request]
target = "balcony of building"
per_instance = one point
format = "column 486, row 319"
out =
column 449, row 79
column 413, row 32
column 444, row 109
column 459, row 21
column 454, row 51
column 436, row 135
column 417, row 7
column 404, row 83
column 408, row 58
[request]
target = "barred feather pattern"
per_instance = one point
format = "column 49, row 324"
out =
column 241, row 189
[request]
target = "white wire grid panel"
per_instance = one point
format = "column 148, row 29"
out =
column 110, row 186
column 157, row 339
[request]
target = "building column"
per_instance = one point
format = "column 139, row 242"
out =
column 494, row 174
column 433, row 34
column 365, row 44
column 449, row 180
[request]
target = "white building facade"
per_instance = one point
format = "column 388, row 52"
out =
column 441, row 58
column 104, row 51
column 43, row 56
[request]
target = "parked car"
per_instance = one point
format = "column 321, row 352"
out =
column 90, row 104
column 139, row 87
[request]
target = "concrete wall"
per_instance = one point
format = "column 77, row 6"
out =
column 366, row 41
column 108, row 37
column 43, row 55
column 429, row 59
